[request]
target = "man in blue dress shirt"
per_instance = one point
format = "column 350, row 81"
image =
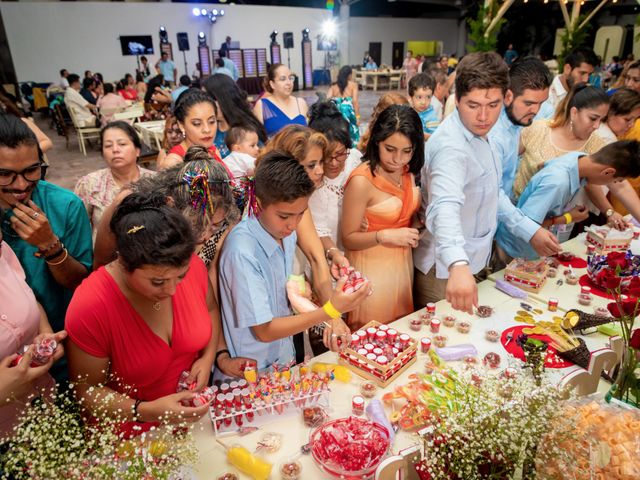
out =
column 529, row 80
column 547, row 198
column 461, row 190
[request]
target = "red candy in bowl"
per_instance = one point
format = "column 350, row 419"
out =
column 349, row 448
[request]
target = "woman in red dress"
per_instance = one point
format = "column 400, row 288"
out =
column 137, row 323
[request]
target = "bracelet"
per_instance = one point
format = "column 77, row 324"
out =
column 330, row 310
column 215, row 361
column 55, row 254
column 134, row 409
column 42, row 252
column 59, row 262
column 568, row 218
column 326, row 253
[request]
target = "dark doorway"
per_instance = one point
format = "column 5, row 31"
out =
column 7, row 71
column 397, row 54
column 375, row 51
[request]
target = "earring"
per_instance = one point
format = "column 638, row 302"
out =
column 571, row 125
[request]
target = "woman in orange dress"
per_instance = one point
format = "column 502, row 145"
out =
column 381, row 195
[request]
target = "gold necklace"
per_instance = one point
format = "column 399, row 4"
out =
column 397, row 183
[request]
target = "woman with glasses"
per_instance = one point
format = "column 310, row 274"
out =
column 382, row 194
column 279, row 108
column 326, row 202
column 120, row 150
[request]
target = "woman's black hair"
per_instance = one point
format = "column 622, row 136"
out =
column 139, row 77
column 126, row 128
column 397, row 119
column 148, row 232
column 188, row 99
column 343, row 78
column 156, row 81
column 324, row 117
column 108, row 88
column 14, row 132
column 233, row 104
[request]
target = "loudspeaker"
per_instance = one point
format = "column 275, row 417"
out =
column 183, row 42
column 287, row 39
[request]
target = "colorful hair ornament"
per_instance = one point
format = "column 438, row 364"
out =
column 198, row 182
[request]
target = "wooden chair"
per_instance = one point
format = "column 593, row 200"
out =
column 84, row 133
column 61, row 125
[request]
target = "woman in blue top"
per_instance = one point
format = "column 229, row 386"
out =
column 278, row 108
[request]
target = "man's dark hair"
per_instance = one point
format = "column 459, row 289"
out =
column 73, row 78
column 188, row 99
column 219, row 62
column 185, row 81
column 222, row 53
column 579, row 56
column 14, row 132
column 88, row 83
column 108, row 88
column 143, row 58
column 396, row 119
column 279, row 177
column 148, row 232
column 164, row 53
column 236, row 134
column 481, row 70
column 623, row 155
column 324, row 117
column 528, row 73
column 421, row 80
column 87, row 73
column 62, row 72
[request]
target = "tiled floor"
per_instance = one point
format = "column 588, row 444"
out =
column 67, row 166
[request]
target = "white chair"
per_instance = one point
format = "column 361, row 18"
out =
column 133, row 113
column 84, row 133
column 394, row 80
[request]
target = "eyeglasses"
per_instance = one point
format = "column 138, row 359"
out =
column 340, row 156
column 30, row 174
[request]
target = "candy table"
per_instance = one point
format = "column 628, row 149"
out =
column 212, row 461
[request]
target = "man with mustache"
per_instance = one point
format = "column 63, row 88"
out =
column 46, row 226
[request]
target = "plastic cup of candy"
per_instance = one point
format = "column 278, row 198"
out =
column 552, row 272
column 492, row 335
column 572, row 279
column 491, row 360
column 368, row 389
column 227, row 476
column 470, row 361
column 449, row 321
column 463, row 326
column 584, row 299
column 440, row 340
column 484, row 311
column 290, row 470
column 415, row 324
column 566, row 256
column 313, row 416
column 601, row 311
column 349, row 448
column 426, row 318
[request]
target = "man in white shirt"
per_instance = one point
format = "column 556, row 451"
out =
column 64, row 83
column 83, row 110
column 462, row 194
column 578, row 65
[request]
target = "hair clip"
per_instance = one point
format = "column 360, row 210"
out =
column 135, row 229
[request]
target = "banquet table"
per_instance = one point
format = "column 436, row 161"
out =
column 151, row 132
column 375, row 75
column 212, row 461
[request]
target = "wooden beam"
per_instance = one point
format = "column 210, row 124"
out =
column 503, row 9
column 593, row 12
column 575, row 13
column 565, row 14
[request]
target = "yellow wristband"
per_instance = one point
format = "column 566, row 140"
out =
column 330, row 310
column 568, row 218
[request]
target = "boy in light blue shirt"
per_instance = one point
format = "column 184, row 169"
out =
column 256, row 262
column 547, row 197
column 421, row 87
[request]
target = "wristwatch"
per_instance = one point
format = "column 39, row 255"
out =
column 609, row 212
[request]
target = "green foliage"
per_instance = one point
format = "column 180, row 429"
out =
column 478, row 27
column 572, row 39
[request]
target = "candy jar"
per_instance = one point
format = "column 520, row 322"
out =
column 601, row 311
column 357, row 405
column 484, row 311
column 585, row 297
column 415, row 324
column 435, row 325
column 449, row 321
column 470, row 361
column 492, row 335
column 491, row 360
column 425, row 345
column 463, row 326
column 572, row 279
column 368, row 389
column 440, row 340
column 290, row 470
column 552, row 272
column 552, row 305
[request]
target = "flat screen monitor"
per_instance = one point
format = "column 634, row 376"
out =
column 136, row 45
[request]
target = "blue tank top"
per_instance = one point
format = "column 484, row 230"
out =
column 275, row 119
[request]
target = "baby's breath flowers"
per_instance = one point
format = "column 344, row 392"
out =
column 54, row 440
column 491, row 426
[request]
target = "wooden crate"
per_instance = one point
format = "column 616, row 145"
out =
column 381, row 375
column 605, row 245
column 531, row 281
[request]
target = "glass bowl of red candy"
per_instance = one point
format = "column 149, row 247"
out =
column 349, row 448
